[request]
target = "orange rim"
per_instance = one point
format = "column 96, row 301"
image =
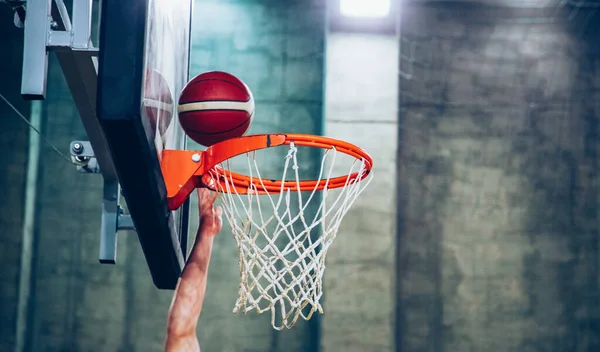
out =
column 182, row 174
column 241, row 183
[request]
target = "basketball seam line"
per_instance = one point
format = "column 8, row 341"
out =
column 243, row 89
column 210, row 100
column 200, row 111
column 211, row 133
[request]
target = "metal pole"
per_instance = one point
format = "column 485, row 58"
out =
column 35, row 55
column 82, row 24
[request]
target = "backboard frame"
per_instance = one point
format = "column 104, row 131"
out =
column 120, row 76
column 108, row 100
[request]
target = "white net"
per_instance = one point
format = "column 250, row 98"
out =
column 283, row 238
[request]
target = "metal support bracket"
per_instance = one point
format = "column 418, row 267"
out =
column 113, row 221
column 48, row 27
column 113, row 217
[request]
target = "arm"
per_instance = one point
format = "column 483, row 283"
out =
column 189, row 293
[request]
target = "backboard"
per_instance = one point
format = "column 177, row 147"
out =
column 143, row 66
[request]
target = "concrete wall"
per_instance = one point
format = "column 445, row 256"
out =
column 497, row 170
column 78, row 304
column 278, row 51
column 81, row 305
column 496, row 246
column 362, row 108
column 14, row 135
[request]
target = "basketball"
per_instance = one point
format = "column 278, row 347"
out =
column 157, row 102
column 215, row 106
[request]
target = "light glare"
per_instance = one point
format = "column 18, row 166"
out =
column 365, row 8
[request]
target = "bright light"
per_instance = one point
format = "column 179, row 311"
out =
column 365, row 8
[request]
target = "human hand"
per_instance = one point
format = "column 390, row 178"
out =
column 210, row 216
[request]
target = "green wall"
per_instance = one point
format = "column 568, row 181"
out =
column 278, row 50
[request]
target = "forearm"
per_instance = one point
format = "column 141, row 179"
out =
column 189, row 296
column 187, row 303
column 182, row 344
column 191, row 287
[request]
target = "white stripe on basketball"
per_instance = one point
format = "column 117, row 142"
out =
column 157, row 104
column 247, row 106
column 252, row 113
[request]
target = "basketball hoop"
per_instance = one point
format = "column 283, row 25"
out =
column 282, row 228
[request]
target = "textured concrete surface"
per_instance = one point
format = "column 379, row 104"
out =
column 76, row 303
column 496, row 246
column 497, row 180
column 361, row 108
column 278, row 51
column 80, row 305
column 14, row 135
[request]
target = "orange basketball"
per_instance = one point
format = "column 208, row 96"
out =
column 215, row 106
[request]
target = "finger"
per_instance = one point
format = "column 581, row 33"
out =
column 202, row 192
column 218, row 218
column 206, row 199
column 219, row 215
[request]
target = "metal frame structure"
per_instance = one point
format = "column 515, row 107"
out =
column 122, row 68
column 48, row 27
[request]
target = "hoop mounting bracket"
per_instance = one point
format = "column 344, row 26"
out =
column 185, row 170
column 113, row 217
